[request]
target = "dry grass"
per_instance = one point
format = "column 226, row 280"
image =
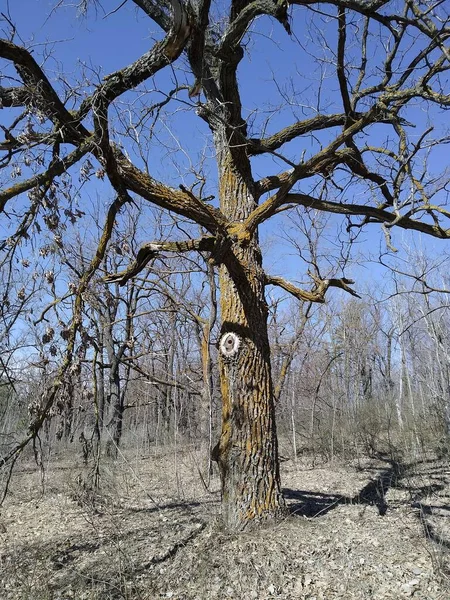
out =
column 154, row 532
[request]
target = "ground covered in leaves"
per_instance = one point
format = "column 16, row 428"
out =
column 356, row 530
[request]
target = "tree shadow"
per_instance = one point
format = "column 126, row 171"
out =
column 396, row 476
column 431, row 533
column 311, row 504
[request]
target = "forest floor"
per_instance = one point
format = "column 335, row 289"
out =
column 356, row 530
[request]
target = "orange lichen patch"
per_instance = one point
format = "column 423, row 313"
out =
column 240, row 234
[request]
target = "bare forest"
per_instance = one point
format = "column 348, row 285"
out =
column 225, row 299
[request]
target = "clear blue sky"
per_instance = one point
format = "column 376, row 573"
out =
column 100, row 45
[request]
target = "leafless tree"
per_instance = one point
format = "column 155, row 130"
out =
column 350, row 149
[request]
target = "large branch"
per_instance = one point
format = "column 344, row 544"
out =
column 318, row 292
column 419, row 20
column 368, row 9
column 41, row 92
column 121, row 172
column 341, row 74
column 316, row 164
column 239, row 26
column 161, row 55
column 275, row 141
column 376, row 215
column 197, row 52
column 181, row 201
column 155, row 11
column 127, row 175
column 324, row 166
column 323, row 163
column 152, row 250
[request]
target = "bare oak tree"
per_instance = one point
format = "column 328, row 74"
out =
column 382, row 56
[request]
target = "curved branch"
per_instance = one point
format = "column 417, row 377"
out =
column 40, row 90
column 152, row 250
column 182, row 202
column 58, row 167
column 162, row 54
column 238, row 27
column 155, row 12
column 376, row 215
column 370, row 9
column 342, row 37
column 52, row 304
column 320, row 287
column 275, row 141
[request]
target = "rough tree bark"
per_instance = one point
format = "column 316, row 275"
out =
column 248, row 451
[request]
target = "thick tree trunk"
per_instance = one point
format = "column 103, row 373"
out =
column 248, row 457
column 248, row 451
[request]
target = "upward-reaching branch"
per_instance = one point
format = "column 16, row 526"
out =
column 39, row 92
column 157, row 11
column 162, row 54
column 238, row 26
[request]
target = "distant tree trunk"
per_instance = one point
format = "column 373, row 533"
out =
column 117, row 389
column 114, row 425
column 290, row 352
column 390, row 382
column 294, row 433
column 441, row 360
column 169, row 391
column 101, row 398
column 204, row 423
column 64, row 430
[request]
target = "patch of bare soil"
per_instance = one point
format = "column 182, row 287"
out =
column 372, row 529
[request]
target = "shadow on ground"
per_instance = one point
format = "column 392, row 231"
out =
column 396, row 475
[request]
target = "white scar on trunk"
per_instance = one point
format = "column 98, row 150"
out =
column 229, row 344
